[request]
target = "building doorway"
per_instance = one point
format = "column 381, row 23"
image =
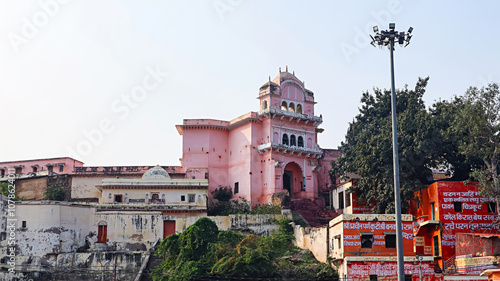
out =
column 168, row 228
column 102, row 232
column 293, row 179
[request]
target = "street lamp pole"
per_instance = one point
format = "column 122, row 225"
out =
column 387, row 38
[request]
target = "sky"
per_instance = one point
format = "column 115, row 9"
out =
column 106, row 82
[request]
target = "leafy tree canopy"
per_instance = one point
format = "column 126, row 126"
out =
column 367, row 149
column 478, row 124
column 202, row 250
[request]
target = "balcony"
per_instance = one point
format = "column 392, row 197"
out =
column 291, row 116
column 299, row 151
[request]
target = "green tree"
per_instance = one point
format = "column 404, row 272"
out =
column 478, row 123
column 367, row 149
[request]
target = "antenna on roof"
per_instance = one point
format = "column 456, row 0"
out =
column 280, row 69
column 286, row 68
column 294, row 72
column 269, row 78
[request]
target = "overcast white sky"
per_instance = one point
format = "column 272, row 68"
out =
column 68, row 68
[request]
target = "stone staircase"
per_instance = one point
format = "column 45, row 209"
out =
column 153, row 262
column 312, row 213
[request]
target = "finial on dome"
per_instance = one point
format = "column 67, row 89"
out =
column 286, row 68
column 280, row 69
column 294, row 72
column 269, row 78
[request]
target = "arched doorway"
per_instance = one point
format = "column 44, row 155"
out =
column 102, row 232
column 293, row 179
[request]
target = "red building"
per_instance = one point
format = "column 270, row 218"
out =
column 444, row 209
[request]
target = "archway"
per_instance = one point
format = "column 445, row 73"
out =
column 293, row 179
column 102, row 232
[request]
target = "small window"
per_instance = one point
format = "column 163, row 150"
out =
column 23, row 224
column 3, row 236
column 264, row 105
column 367, row 240
column 299, row 108
column 300, row 141
column 492, row 207
column 339, row 244
column 191, row 198
column 285, row 139
column 457, row 206
column 373, row 277
column 291, row 107
column 118, row 198
column 2, row 172
column 435, row 241
column 408, row 277
column 109, row 195
column 61, row 168
column 50, row 169
column 183, row 198
column 292, row 140
column 236, row 187
column 3, row 260
column 19, row 170
column 341, row 200
column 35, row 169
column 390, row 241
column 347, row 199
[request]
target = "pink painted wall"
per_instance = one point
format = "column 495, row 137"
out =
column 68, row 165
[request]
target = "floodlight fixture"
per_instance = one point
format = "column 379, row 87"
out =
column 392, row 26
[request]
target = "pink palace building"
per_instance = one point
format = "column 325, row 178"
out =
column 265, row 152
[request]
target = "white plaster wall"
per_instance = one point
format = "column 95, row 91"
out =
column 52, row 228
column 131, row 230
column 85, row 187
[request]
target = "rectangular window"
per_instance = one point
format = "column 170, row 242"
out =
column 3, row 236
column 367, row 240
column 23, row 224
column 61, row 168
column 408, row 277
column 2, row 172
column 50, row 169
column 35, row 169
column 339, row 243
column 492, row 207
column 341, row 200
column 373, row 277
column 433, row 213
column 191, row 198
column 390, row 241
column 347, row 199
column 457, row 206
column 236, row 187
column 435, row 241
column 118, row 198
column 183, row 198
column 19, row 170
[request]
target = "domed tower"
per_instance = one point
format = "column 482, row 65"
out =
column 289, row 136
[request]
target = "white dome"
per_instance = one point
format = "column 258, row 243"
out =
column 156, row 173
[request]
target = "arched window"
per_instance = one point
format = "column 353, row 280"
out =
column 291, row 107
column 285, row 139
column 292, row 140
column 300, row 141
column 284, row 106
column 299, row 108
column 264, row 105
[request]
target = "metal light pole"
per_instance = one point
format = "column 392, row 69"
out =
column 387, row 38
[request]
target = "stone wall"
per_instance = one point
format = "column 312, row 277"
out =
column 314, row 239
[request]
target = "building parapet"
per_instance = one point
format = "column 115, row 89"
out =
column 152, row 206
column 307, row 152
column 272, row 113
column 388, row 258
column 369, row 217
